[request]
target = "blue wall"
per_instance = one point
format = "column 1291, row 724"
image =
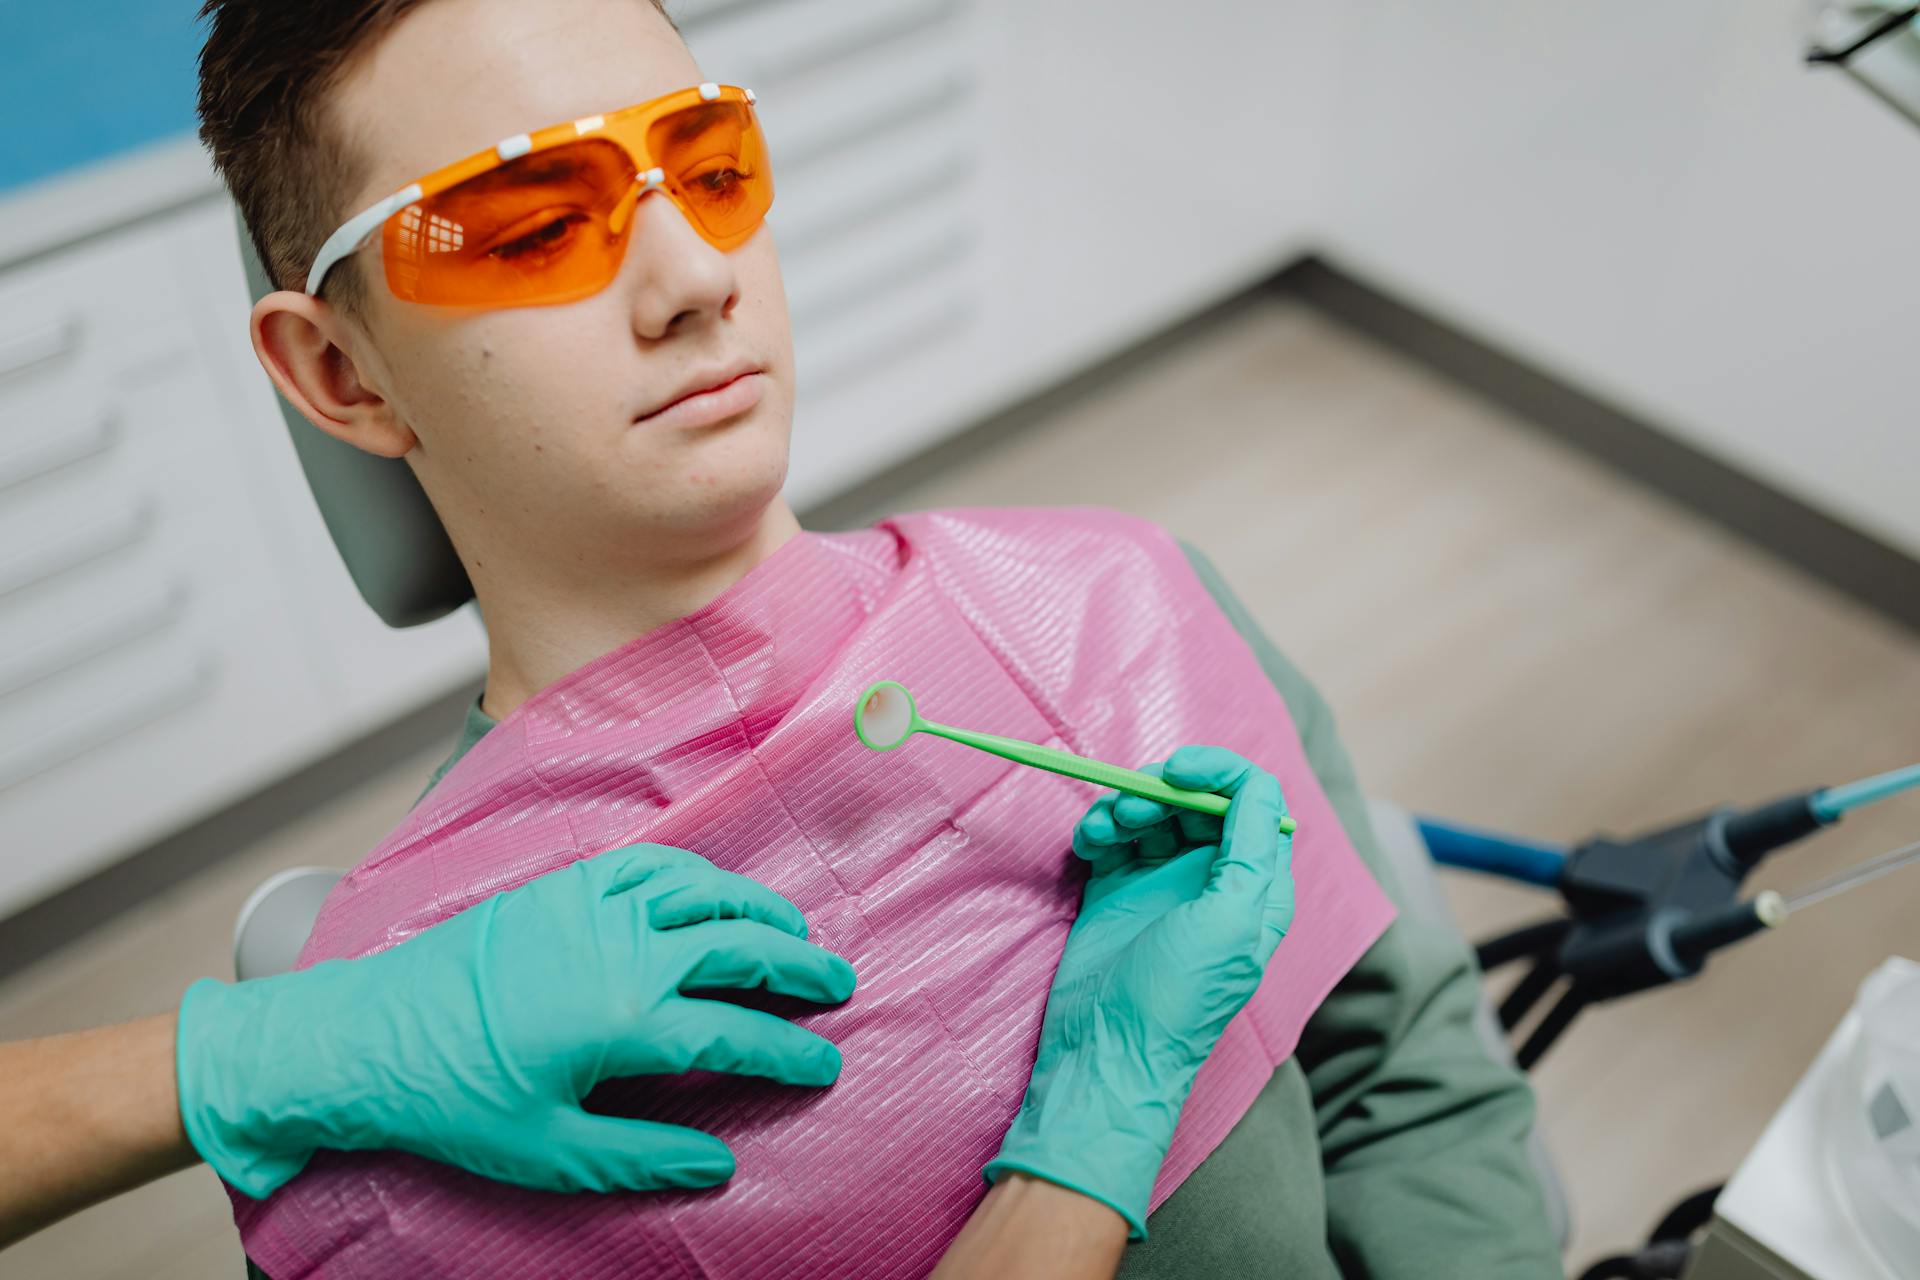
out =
column 81, row 80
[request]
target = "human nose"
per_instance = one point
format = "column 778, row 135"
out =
column 675, row 278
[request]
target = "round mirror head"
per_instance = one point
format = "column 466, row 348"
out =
column 884, row 715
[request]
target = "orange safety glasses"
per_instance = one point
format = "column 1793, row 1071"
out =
column 544, row 217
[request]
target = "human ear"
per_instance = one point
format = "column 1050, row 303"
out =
column 305, row 346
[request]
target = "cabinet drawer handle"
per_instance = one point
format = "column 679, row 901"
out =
column 848, row 40
column 895, row 113
column 98, row 637
column 24, row 351
column 33, row 460
column 904, row 269
column 840, row 214
column 912, row 331
column 89, row 544
column 83, row 734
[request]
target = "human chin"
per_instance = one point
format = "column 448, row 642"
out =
column 710, row 515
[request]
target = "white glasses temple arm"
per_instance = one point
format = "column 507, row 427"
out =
column 354, row 232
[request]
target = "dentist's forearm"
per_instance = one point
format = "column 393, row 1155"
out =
column 1031, row 1229
column 84, row 1117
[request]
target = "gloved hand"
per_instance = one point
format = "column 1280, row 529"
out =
column 474, row 1042
column 1179, row 918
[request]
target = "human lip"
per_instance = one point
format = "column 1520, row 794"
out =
column 709, row 398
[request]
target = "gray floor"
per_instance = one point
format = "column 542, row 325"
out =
column 1510, row 636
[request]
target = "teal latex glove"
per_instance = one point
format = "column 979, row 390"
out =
column 1179, row 918
column 474, row 1042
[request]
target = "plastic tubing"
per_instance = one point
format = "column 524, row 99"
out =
column 1828, row 805
column 1474, row 850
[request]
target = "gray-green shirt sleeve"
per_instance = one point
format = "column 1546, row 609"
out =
column 1422, row 1133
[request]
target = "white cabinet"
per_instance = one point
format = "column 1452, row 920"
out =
column 1660, row 203
column 175, row 631
column 1148, row 159
column 147, row 664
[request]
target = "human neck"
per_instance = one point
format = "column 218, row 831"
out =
column 543, row 627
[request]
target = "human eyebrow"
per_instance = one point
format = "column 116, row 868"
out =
column 698, row 121
column 542, row 168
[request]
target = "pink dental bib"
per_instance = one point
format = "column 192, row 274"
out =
column 945, row 876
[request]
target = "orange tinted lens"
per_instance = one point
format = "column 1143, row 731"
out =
column 716, row 166
column 536, row 229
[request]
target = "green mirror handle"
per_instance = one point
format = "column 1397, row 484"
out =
column 1098, row 772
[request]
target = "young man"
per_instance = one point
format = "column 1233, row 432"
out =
column 595, row 390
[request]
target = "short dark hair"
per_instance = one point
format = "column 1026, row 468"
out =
column 265, row 71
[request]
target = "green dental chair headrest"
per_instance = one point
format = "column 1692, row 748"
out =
column 380, row 519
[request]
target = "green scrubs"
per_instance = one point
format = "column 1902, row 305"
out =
column 1390, row 1144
